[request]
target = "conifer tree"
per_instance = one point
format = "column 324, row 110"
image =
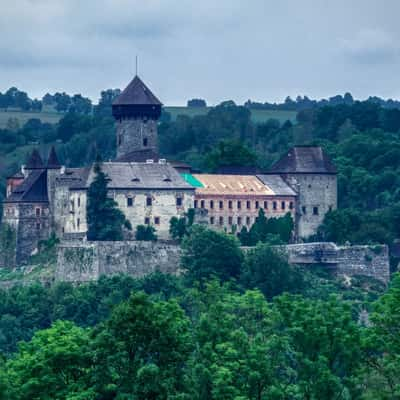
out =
column 105, row 220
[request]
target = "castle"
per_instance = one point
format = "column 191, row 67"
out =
column 46, row 198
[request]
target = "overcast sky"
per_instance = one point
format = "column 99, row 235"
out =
column 213, row 49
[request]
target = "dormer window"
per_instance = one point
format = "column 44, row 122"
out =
column 166, row 178
column 135, row 179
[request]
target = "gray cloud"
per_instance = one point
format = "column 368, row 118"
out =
column 259, row 49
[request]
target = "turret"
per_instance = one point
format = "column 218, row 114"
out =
column 136, row 111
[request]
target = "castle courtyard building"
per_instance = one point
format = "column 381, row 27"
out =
column 234, row 201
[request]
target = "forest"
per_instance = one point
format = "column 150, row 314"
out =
column 234, row 326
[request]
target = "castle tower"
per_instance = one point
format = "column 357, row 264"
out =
column 136, row 111
column 310, row 172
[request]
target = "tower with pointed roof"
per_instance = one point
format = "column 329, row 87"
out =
column 136, row 111
column 309, row 170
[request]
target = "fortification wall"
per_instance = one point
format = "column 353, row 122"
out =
column 87, row 261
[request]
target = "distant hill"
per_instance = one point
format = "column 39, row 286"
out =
column 52, row 117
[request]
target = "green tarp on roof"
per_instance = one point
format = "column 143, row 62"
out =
column 191, row 180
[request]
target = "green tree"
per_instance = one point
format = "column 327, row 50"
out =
column 231, row 153
column 105, row 220
column 207, row 253
column 146, row 233
column 178, row 227
column 268, row 270
column 382, row 346
column 327, row 344
column 142, row 350
column 55, row 364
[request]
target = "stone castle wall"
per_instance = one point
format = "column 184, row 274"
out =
column 87, row 261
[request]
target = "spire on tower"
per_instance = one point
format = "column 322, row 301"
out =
column 52, row 161
column 34, row 161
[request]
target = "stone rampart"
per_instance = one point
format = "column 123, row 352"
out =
column 87, row 261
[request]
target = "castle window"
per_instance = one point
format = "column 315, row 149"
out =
column 202, row 204
column 78, row 222
column 38, row 226
column 274, row 205
column 211, row 220
column 266, row 205
column 145, row 142
column 79, row 201
column 37, row 211
column 304, row 210
column 230, row 204
column 221, row 220
column 291, row 205
column 129, row 202
column 230, row 220
column 239, row 205
column 157, row 220
column 149, row 201
column 257, row 205
column 315, row 211
column 119, row 140
column 330, row 208
column 239, row 220
column 248, row 204
column 179, row 201
column 195, row 204
column 283, row 205
column 221, row 205
column 211, row 204
column 248, row 220
column 147, row 221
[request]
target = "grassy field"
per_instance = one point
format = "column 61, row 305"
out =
column 257, row 115
column 53, row 117
column 23, row 117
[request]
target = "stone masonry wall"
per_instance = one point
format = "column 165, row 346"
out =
column 87, row 261
column 132, row 134
column 370, row 261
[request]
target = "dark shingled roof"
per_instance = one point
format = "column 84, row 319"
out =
column 35, row 161
column 136, row 93
column 277, row 185
column 53, row 162
column 32, row 190
column 141, row 176
column 303, row 160
column 139, row 156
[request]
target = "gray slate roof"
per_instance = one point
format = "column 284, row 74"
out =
column 304, row 159
column 32, row 190
column 74, row 177
column 136, row 93
column 141, row 176
column 277, row 184
column 139, row 156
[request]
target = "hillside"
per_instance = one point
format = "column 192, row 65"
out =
column 52, row 117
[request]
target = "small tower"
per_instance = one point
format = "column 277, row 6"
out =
column 136, row 111
column 309, row 170
column 34, row 162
